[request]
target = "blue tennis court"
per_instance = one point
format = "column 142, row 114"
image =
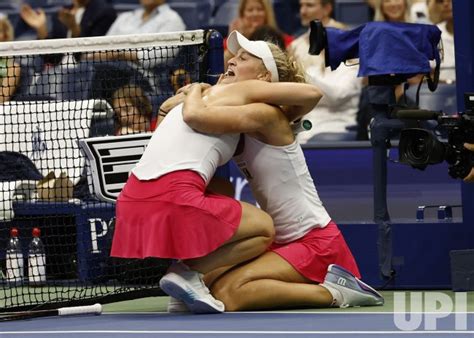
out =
column 147, row 318
column 247, row 324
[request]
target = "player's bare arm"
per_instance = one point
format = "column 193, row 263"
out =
column 249, row 118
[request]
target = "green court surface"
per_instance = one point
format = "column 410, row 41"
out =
column 158, row 304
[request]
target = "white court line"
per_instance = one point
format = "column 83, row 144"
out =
column 351, row 333
column 289, row 312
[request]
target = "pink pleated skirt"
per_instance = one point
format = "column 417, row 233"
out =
column 313, row 253
column 172, row 217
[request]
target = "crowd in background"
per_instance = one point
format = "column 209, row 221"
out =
column 342, row 114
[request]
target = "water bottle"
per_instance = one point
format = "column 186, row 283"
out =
column 36, row 260
column 301, row 125
column 14, row 259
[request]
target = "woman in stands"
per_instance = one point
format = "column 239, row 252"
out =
column 132, row 110
column 165, row 211
column 299, row 268
column 253, row 14
column 10, row 71
column 392, row 10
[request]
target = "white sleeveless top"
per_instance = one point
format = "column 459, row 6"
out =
column 175, row 146
column 283, row 187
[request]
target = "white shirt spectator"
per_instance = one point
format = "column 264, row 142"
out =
column 447, row 72
column 419, row 13
column 163, row 19
column 341, row 92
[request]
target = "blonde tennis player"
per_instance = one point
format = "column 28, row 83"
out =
column 309, row 264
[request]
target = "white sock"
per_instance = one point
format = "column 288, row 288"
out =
column 336, row 295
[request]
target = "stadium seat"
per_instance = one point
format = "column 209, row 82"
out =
column 108, row 76
column 195, row 15
column 11, row 11
column 73, row 84
column 351, row 12
column 225, row 13
column 47, row 3
column 131, row 2
column 8, row 6
column 287, row 16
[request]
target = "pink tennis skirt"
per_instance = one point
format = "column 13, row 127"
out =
column 313, row 253
column 172, row 217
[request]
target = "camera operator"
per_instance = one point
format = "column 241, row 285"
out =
column 470, row 176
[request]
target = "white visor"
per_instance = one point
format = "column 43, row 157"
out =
column 260, row 49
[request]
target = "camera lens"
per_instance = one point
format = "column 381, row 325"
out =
column 417, row 150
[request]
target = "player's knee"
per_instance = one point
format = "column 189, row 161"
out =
column 228, row 294
column 233, row 292
column 268, row 230
column 223, row 292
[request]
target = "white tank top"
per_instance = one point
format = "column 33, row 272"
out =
column 175, row 146
column 286, row 191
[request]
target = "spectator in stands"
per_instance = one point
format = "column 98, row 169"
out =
column 447, row 72
column 425, row 11
column 154, row 16
column 338, row 108
column 392, row 10
column 310, row 10
column 179, row 78
column 10, row 70
column 270, row 34
column 132, row 110
column 251, row 15
column 434, row 12
column 83, row 18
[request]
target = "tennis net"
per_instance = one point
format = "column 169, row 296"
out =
column 55, row 93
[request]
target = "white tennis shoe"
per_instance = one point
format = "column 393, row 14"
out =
column 186, row 285
column 348, row 290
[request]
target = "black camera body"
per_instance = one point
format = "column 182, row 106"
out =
column 421, row 147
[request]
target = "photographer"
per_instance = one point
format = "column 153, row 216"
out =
column 470, row 177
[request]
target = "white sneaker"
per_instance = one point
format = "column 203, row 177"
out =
column 176, row 305
column 186, row 285
column 352, row 291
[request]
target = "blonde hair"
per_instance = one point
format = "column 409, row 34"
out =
column 7, row 28
column 267, row 6
column 380, row 16
column 289, row 70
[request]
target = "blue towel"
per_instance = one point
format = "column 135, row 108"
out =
column 385, row 48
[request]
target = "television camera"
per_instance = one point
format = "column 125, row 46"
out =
column 422, row 147
column 384, row 61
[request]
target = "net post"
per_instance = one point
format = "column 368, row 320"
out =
column 215, row 56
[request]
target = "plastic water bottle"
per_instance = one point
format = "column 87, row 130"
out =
column 36, row 260
column 14, row 259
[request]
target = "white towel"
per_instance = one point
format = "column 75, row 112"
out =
column 7, row 190
column 10, row 191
